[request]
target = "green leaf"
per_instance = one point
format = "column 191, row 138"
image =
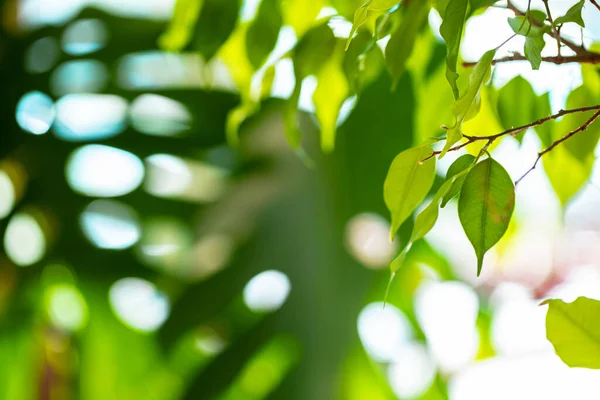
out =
column 542, row 109
column 572, row 15
column 262, row 34
column 566, row 174
column 467, row 107
column 407, row 183
column 181, row 26
column 370, row 9
column 451, row 30
column 401, row 44
column 215, row 24
column 534, row 38
column 428, row 217
column 574, row 331
column 485, row 206
column 309, row 56
column 517, row 104
column 329, row 96
column 580, row 146
column 459, row 165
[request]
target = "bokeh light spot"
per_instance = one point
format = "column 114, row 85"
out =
column 41, row 56
column 103, row 171
column 383, row 331
column 110, row 225
column 24, row 240
column 84, row 116
column 267, row 291
column 138, row 304
column 367, row 239
column 79, row 76
column 66, row 307
column 159, row 115
column 35, row 113
column 7, row 194
column 84, row 36
column 412, row 371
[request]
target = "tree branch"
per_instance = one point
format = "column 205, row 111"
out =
column 588, row 58
column 595, row 4
column 519, row 129
column 559, row 141
column 554, row 30
column 578, row 49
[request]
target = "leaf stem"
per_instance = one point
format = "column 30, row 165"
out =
column 554, row 30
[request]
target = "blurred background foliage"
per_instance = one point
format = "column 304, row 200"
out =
column 175, row 224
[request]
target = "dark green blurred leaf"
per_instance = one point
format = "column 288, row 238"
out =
column 215, row 25
column 401, row 44
column 263, row 32
column 580, row 146
column 485, row 206
column 517, row 104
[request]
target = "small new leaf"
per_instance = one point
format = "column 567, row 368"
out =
column 534, row 38
column 574, row 331
column 459, row 165
column 407, row 183
column 467, row 106
column 485, row 206
column 573, row 15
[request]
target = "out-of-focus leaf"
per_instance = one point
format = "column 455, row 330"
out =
column 403, row 39
column 572, row 15
column 433, row 94
column 567, row 174
column 407, row 183
column 309, row 56
column 301, row 14
column 477, row 4
column 467, row 106
column 451, row 30
column 459, row 165
column 517, row 104
column 484, row 123
column 574, row 331
column 263, row 32
column 534, row 39
column 580, row 146
column 371, row 9
column 215, row 25
column 485, row 206
column 182, row 25
column 363, row 61
column 235, row 118
column 331, row 92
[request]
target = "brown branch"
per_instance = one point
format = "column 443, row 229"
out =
column 595, row 4
column 515, row 131
column 559, row 141
column 578, row 49
column 588, row 58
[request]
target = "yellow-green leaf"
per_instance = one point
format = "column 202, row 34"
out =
column 574, row 331
column 407, row 183
column 451, row 30
column 572, row 15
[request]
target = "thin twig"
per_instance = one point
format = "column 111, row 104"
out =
column 515, row 131
column 590, row 58
column 554, row 30
column 559, row 141
column 578, row 49
column 595, row 4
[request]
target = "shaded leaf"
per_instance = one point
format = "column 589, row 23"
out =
column 215, row 25
column 459, row 165
column 451, row 30
column 263, row 32
column 580, row 146
column 407, row 183
column 467, row 107
column 516, row 104
column 566, row 174
column 574, row 331
column 572, row 15
column 403, row 39
column 485, row 206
